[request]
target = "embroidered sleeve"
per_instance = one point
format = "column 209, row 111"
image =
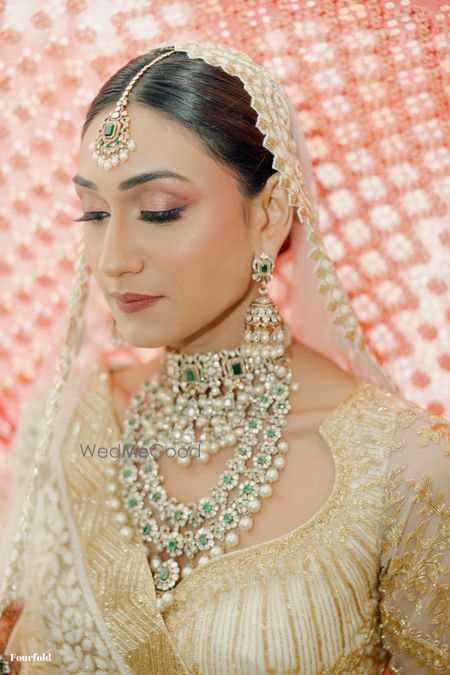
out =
column 414, row 577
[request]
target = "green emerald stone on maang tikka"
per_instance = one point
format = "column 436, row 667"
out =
column 110, row 130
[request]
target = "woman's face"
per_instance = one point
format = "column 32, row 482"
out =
column 179, row 234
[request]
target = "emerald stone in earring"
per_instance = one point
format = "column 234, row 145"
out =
column 263, row 267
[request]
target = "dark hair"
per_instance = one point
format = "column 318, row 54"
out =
column 208, row 102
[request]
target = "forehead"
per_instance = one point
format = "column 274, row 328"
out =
column 159, row 141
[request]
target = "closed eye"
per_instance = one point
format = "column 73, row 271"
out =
column 152, row 216
column 91, row 215
column 162, row 216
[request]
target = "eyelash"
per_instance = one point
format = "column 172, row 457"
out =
column 150, row 216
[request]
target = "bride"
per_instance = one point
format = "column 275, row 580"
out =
column 247, row 501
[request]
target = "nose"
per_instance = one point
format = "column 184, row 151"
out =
column 119, row 253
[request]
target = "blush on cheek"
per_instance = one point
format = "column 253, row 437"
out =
column 209, row 245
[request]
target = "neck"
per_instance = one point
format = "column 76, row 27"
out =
column 224, row 333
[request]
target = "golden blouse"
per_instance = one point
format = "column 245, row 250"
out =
column 368, row 576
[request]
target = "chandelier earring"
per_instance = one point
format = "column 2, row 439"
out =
column 264, row 334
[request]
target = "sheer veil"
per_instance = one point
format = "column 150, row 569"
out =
column 319, row 314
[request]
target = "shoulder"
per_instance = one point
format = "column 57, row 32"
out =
column 420, row 437
column 416, row 425
column 417, row 473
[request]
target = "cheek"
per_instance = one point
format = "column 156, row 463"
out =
column 213, row 255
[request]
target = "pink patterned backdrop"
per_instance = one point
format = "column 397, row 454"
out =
column 370, row 81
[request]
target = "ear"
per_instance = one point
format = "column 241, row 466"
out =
column 271, row 217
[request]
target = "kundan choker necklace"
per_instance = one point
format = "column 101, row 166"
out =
column 233, row 398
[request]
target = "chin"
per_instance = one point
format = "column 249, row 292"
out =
column 144, row 341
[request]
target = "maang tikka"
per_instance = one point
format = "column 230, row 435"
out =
column 113, row 142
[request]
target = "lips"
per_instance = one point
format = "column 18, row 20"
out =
column 132, row 297
column 134, row 302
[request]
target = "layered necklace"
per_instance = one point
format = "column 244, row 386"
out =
column 235, row 398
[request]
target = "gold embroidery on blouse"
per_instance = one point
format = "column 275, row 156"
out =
column 415, row 576
column 264, row 625
column 291, row 620
column 406, row 416
column 412, row 642
column 425, row 494
column 364, row 660
column 434, row 432
column 393, row 501
column 237, row 624
column 416, row 571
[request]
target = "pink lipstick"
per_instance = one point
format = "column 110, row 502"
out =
column 134, row 302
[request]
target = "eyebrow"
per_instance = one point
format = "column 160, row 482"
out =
column 135, row 180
